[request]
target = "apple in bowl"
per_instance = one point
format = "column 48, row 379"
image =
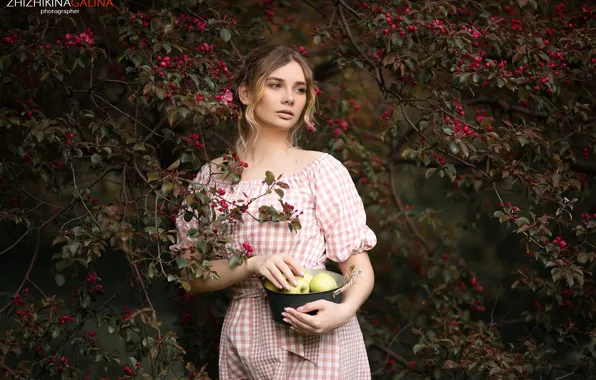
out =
column 316, row 284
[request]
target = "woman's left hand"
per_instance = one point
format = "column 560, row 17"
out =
column 330, row 316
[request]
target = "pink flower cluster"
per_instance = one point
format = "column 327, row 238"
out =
column 82, row 39
column 248, row 248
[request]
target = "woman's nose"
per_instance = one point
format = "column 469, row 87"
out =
column 289, row 98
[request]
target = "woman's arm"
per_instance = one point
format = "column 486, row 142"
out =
column 355, row 296
column 279, row 269
column 227, row 276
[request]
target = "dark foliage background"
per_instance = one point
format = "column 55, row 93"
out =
column 468, row 127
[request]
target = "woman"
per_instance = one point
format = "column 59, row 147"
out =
column 276, row 96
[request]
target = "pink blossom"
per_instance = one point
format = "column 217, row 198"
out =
column 228, row 97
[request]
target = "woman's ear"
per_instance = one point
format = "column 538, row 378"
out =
column 244, row 94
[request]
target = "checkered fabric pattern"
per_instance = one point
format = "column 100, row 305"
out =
column 334, row 227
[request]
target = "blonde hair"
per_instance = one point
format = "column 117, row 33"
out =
column 257, row 67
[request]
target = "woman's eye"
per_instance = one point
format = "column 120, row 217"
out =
column 273, row 85
column 302, row 90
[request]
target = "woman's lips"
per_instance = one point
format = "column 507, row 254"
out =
column 285, row 115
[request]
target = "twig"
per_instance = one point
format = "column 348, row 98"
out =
column 400, row 205
column 94, row 94
column 16, row 242
column 154, row 313
column 395, row 356
column 33, row 260
column 342, row 16
column 492, row 312
column 313, row 6
column 74, row 181
column 397, row 336
column 352, row 11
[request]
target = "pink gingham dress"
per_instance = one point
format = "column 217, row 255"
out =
column 252, row 346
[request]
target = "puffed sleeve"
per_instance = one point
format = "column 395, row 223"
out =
column 183, row 242
column 340, row 212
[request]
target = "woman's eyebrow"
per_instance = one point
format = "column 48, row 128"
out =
column 283, row 81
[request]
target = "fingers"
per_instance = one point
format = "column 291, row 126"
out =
column 305, row 322
column 315, row 305
column 285, row 268
column 280, row 269
column 294, row 264
column 275, row 276
column 302, row 319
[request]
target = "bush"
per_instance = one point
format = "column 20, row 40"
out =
column 106, row 118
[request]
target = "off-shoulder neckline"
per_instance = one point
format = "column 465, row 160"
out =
column 284, row 177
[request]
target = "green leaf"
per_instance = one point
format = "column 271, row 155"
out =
column 186, row 285
column 582, row 257
column 347, row 73
column 166, row 187
column 181, row 262
column 46, row 74
column 464, row 77
column 60, row 279
column 172, row 113
column 174, row 165
column 430, row 172
column 225, row 34
column 396, row 40
column 86, row 302
column 317, row 40
column 210, row 83
column 234, row 261
column 95, row 159
column 523, row 140
column 139, row 147
column 160, row 92
column 418, row 348
column 154, row 176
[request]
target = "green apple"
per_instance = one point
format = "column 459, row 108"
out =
column 269, row 285
column 322, row 282
column 300, row 289
column 307, row 276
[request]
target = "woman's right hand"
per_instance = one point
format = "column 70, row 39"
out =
column 274, row 268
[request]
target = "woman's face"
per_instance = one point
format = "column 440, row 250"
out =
column 284, row 98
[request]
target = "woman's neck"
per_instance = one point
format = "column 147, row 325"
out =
column 263, row 151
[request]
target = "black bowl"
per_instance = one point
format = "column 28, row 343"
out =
column 279, row 301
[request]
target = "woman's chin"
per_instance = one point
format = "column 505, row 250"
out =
column 281, row 124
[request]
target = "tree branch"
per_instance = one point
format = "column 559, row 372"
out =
column 400, row 205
